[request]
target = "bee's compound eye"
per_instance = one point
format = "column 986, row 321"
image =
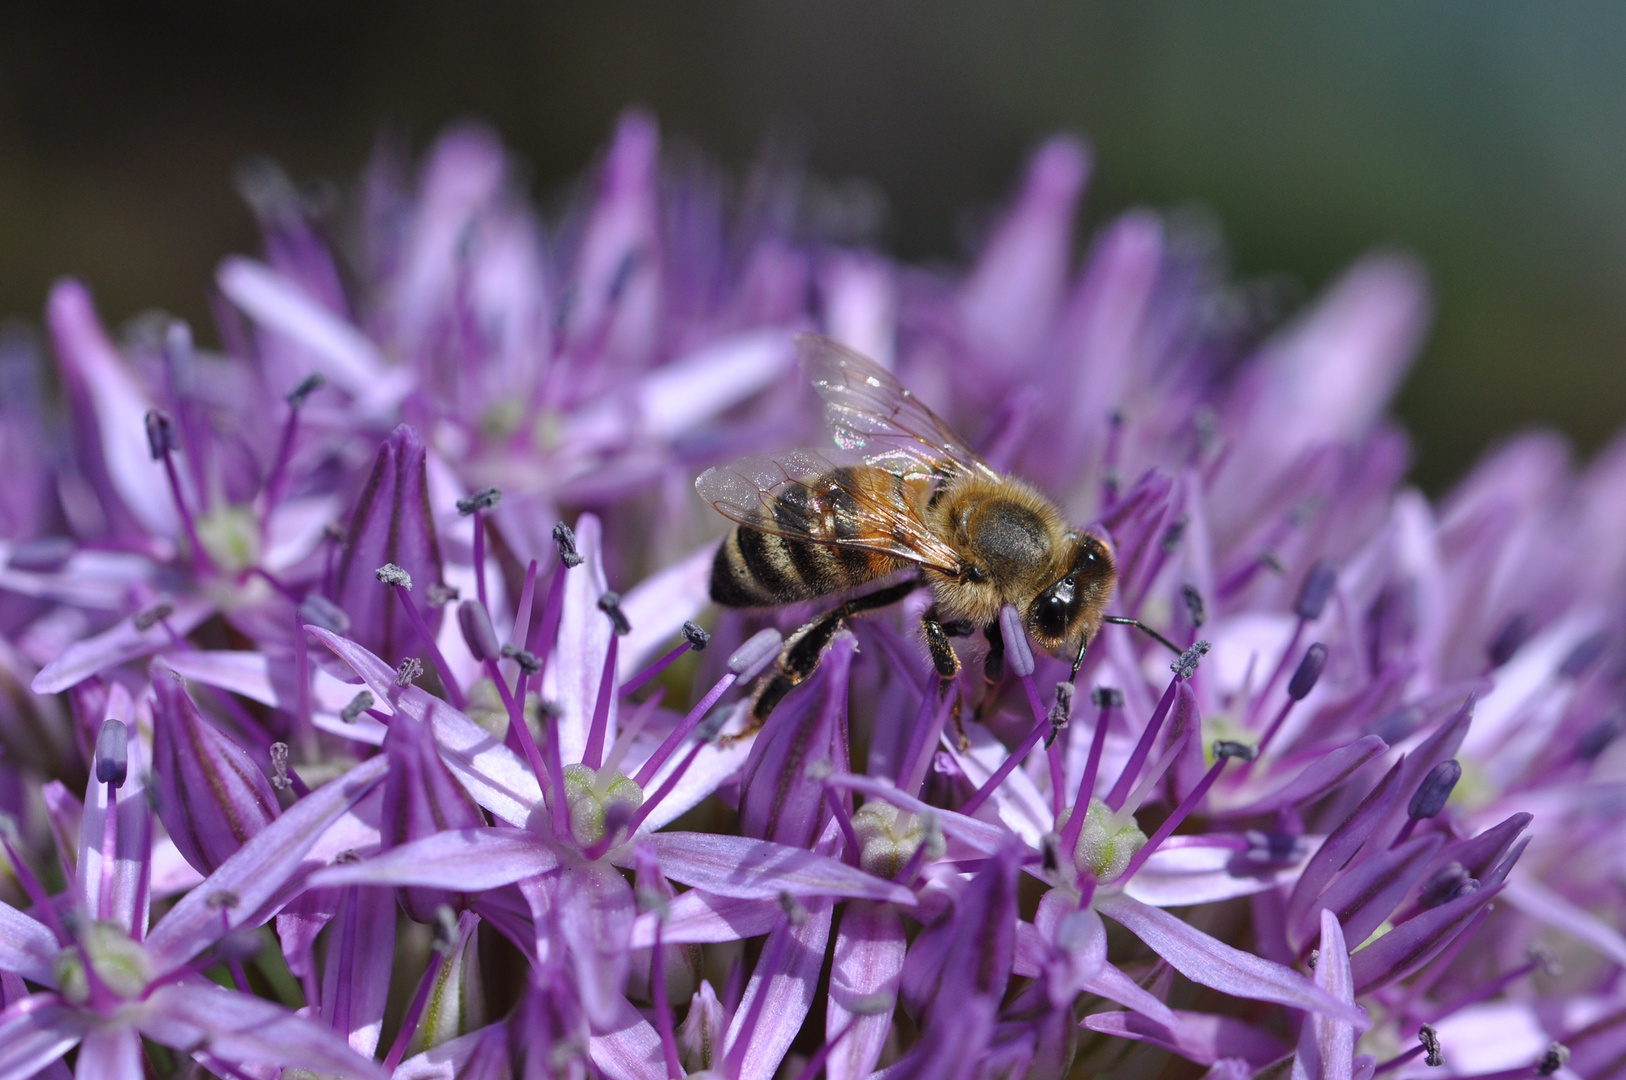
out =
column 1051, row 610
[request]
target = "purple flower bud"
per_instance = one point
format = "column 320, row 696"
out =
column 212, row 798
column 112, row 753
column 389, row 526
column 477, row 632
column 421, row 798
column 1316, row 590
column 759, row 650
column 1017, row 653
column 480, row 500
column 1309, row 670
column 1434, row 790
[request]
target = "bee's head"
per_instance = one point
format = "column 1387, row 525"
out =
column 1064, row 617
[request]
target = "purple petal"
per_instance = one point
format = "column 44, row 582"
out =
column 1194, row 1036
column 1370, row 889
column 863, row 975
column 966, row 954
column 760, row 869
column 1202, row 874
column 778, row 801
column 27, row 947
column 101, row 382
column 119, row 643
column 244, row 1030
column 1542, row 903
column 356, row 971
column 1414, row 942
column 594, row 914
column 1114, row 985
column 1210, row 962
column 479, row 1055
column 35, row 1031
column 577, row 667
column 789, row 988
column 1327, row 1044
column 211, row 796
column 389, row 522
column 699, row 917
column 1316, row 778
column 263, row 874
column 497, row 778
column 324, row 341
column 123, row 899
column 467, row 860
column 626, row 1047
column 110, row 1053
column 421, row 798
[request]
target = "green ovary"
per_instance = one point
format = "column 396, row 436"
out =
column 592, row 798
column 120, row 964
column 888, row 838
column 1106, row 842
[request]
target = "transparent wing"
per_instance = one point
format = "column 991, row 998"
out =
column 799, row 495
column 873, row 414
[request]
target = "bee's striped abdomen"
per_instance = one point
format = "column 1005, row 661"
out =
column 755, row 568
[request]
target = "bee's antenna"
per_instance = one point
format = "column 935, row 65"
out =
column 1123, row 620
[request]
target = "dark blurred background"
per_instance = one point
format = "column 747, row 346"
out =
column 1491, row 138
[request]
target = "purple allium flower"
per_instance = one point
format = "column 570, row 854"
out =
column 304, row 621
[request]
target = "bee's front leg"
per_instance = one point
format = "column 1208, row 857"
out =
column 937, row 642
column 993, row 666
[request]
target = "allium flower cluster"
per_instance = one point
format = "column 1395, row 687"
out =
column 365, row 712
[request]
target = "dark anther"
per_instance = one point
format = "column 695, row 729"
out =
column 1584, row 655
column 1194, row 604
column 1596, row 739
column 112, row 753
column 610, row 604
column 1541, row 956
column 525, row 658
column 1314, row 958
column 410, row 671
column 1443, row 884
column 1173, row 534
column 358, row 705
column 160, row 434
column 307, row 386
column 223, row 899
column 279, row 767
column 1227, row 748
column 1186, row 666
column 1062, row 711
column 1309, row 670
column 1105, row 697
column 318, row 610
column 1514, row 633
column 696, row 636
column 1268, row 848
column 567, row 545
column 146, row 620
column 1399, row 724
column 1431, row 1046
column 1435, row 789
column 480, row 500
column 1049, row 848
column 1553, row 1059
column 390, row 574
column 1316, row 590
column 440, row 595
column 335, row 531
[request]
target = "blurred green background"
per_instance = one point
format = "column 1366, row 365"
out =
column 1490, row 138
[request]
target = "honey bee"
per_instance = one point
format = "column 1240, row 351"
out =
column 915, row 500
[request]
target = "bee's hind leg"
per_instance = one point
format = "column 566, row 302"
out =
column 802, row 651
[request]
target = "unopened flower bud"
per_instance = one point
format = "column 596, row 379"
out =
column 758, row 651
column 566, row 539
column 477, row 632
column 480, row 500
column 696, row 636
column 610, row 604
column 112, row 753
column 1017, row 653
column 1435, row 789
column 1308, row 672
column 1316, row 590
